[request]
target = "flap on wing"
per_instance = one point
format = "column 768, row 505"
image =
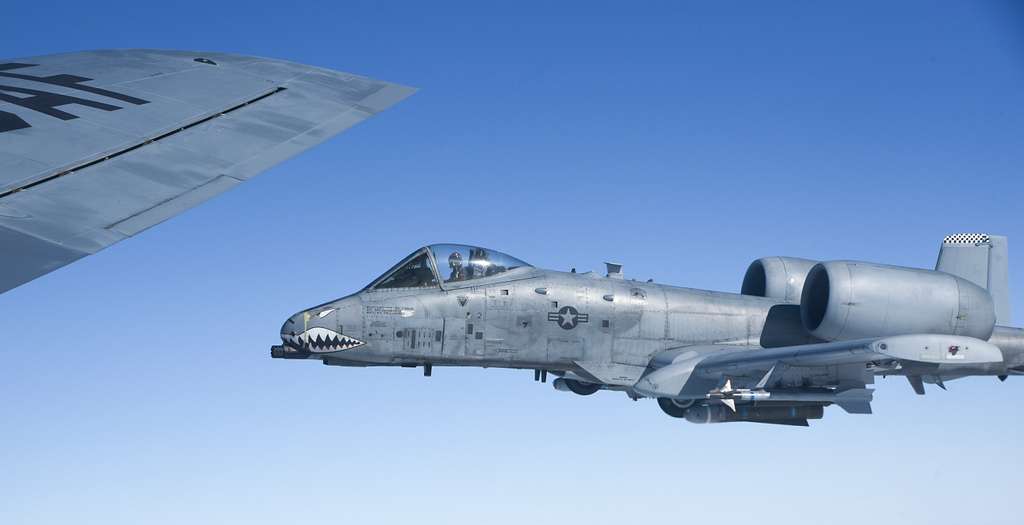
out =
column 695, row 370
column 98, row 146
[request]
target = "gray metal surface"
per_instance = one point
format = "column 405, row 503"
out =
column 698, row 352
column 97, row 146
column 853, row 300
column 983, row 260
column 777, row 277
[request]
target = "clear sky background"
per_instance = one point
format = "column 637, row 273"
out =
column 681, row 139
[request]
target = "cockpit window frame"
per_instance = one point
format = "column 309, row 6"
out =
column 513, row 273
column 401, row 264
column 440, row 282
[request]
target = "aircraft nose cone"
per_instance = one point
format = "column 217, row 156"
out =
column 318, row 331
column 291, row 329
column 290, row 336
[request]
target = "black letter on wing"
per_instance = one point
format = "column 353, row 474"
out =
column 11, row 122
column 68, row 81
column 46, row 103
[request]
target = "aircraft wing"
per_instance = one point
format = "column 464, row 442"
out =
column 97, row 146
column 693, row 372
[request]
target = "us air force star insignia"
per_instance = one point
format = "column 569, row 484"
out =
column 568, row 317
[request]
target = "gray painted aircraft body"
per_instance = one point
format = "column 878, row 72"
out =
column 98, row 146
column 794, row 342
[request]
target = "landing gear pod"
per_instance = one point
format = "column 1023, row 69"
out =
column 576, row 387
column 674, row 408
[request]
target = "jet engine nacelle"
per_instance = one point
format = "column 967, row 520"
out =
column 844, row 300
column 776, row 277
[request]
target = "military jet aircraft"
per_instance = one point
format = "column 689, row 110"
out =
column 801, row 335
column 97, row 146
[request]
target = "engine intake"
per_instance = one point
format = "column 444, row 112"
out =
column 844, row 300
column 776, row 277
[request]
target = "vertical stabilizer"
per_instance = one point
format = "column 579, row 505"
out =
column 981, row 259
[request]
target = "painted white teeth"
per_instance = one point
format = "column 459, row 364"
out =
column 323, row 340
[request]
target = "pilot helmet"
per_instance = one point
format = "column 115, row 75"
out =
column 455, row 260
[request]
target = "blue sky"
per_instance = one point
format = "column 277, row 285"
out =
column 681, row 139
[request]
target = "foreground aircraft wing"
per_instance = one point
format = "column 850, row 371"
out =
column 97, row 146
column 693, row 372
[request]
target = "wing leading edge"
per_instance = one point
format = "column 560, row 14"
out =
column 835, row 372
column 97, row 146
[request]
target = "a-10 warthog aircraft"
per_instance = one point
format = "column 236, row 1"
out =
column 801, row 336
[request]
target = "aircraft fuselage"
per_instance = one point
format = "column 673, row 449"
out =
column 599, row 328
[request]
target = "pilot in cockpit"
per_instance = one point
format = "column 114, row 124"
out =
column 455, row 263
column 478, row 263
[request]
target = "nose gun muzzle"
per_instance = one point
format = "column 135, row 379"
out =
column 287, row 352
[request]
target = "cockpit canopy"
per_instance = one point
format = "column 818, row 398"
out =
column 446, row 263
column 456, row 262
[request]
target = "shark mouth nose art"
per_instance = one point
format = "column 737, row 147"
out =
column 319, row 339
